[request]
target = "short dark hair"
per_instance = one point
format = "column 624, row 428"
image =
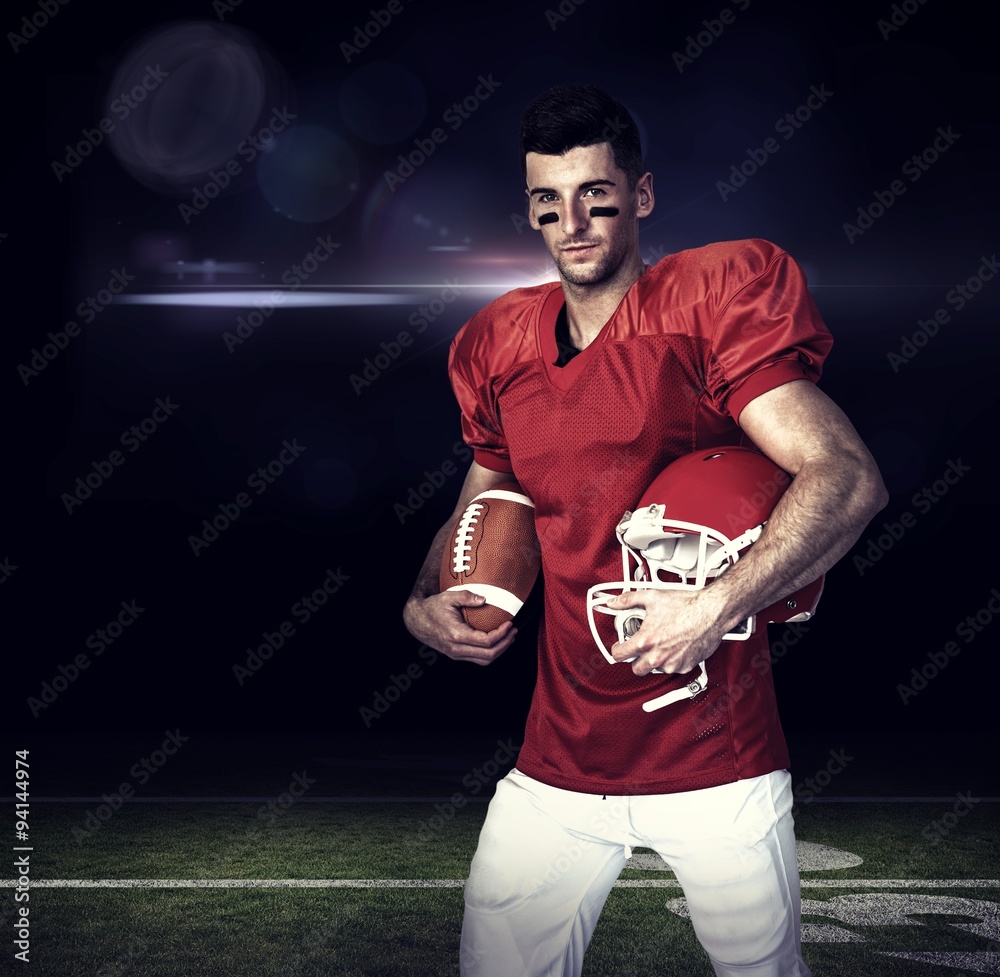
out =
column 572, row 115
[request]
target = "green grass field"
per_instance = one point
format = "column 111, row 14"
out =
column 899, row 906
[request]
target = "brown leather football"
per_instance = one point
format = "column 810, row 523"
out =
column 494, row 552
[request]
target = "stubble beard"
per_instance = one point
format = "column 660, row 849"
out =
column 590, row 275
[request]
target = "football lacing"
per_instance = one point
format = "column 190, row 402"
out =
column 463, row 538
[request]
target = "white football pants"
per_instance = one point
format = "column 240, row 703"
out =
column 548, row 857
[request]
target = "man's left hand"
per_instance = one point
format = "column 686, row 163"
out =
column 678, row 632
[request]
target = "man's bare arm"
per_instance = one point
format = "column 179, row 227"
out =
column 435, row 618
column 835, row 492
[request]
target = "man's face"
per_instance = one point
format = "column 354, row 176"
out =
column 587, row 250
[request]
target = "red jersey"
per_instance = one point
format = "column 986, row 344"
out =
column 694, row 340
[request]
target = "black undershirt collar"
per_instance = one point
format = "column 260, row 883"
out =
column 566, row 349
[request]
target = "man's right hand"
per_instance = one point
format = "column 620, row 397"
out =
column 437, row 621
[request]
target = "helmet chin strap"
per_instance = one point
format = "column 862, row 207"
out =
column 688, row 691
column 595, row 597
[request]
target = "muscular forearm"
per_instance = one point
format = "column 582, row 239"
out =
column 428, row 580
column 819, row 518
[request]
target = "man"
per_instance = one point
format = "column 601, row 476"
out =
column 584, row 390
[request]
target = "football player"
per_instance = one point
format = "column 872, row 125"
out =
column 584, row 390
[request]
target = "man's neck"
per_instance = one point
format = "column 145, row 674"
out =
column 588, row 307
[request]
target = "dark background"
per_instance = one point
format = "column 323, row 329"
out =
column 367, row 448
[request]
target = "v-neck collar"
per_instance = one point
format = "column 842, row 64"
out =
column 563, row 377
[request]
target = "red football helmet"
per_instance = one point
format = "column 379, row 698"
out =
column 693, row 522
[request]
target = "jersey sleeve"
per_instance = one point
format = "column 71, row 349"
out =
column 481, row 428
column 766, row 334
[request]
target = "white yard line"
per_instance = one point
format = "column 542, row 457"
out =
column 459, row 883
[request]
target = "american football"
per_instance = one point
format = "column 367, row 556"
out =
column 494, row 552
